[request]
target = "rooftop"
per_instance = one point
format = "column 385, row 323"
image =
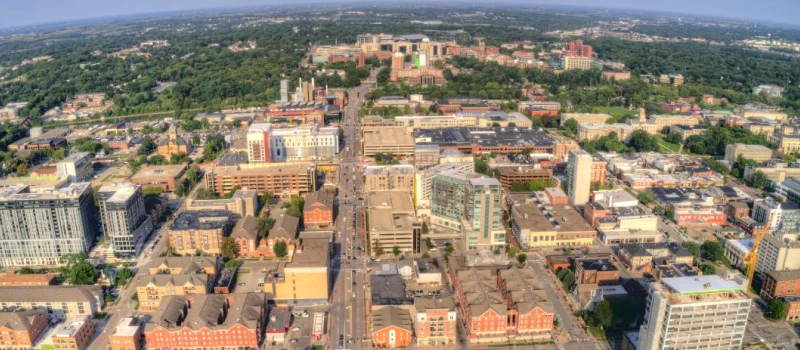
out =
column 54, row 294
column 214, row 311
column 787, row 275
column 202, row 220
column 388, row 290
column 127, row 327
column 71, row 326
column 315, row 254
column 246, row 227
column 423, row 304
column 391, row 316
column 279, row 320
column 119, row 192
column 700, row 285
column 527, row 214
column 232, row 159
column 145, row 173
column 464, row 136
column 20, row 320
column 21, row 193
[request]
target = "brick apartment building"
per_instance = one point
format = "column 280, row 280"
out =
column 391, row 327
column 152, row 289
column 20, row 329
column 436, row 321
column 73, row 334
column 127, row 335
column 318, row 209
column 780, row 284
column 202, row 230
column 596, row 271
column 211, row 321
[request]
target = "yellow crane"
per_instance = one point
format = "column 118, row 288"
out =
column 751, row 258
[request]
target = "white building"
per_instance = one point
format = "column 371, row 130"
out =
column 75, row 167
column 703, row 312
column 737, row 249
column 778, row 253
column 266, row 144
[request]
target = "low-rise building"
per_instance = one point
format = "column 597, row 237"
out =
column 737, row 249
column 11, row 279
column 242, row 203
column 19, row 329
column 164, row 176
column 780, row 284
column 392, row 327
column 152, row 289
column 757, row 153
column 305, row 280
column 74, row 334
column 642, row 256
column 585, row 118
column 208, row 321
column 318, row 209
column 61, row 302
column 183, row 265
column 199, row 231
column 280, row 179
column 509, row 175
column 596, row 271
column 389, row 178
column 537, row 223
column 397, row 140
column 435, row 321
column 127, row 335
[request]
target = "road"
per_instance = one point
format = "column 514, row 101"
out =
column 348, row 319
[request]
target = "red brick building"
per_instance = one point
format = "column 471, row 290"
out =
column 688, row 218
column 577, row 48
column 20, row 329
column 391, row 327
column 435, row 322
column 318, row 209
column 596, row 271
column 780, row 284
column 127, row 335
column 599, row 172
column 794, row 308
column 208, row 321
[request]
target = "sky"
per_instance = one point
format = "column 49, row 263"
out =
column 17, row 13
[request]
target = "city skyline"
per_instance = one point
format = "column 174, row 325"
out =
column 43, row 12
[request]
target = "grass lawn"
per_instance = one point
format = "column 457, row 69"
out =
column 666, row 147
column 597, row 333
column 613, row 111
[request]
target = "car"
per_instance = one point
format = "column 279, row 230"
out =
column 296, row 329
column 293, row 341
column 241, row 284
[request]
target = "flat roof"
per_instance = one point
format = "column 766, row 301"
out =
column 700, row 284
column 232, row 159
column 528, row 215
column 315, row 254
column 145, row 173
column 520, row 137
column 206, row 220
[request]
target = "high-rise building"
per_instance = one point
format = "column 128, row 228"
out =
column 258, row 143
column 284, row 91
column 579, row 177
column 577, row 48
column 125, row 221
column 37, row 228
column 471, row 204
column 701, row 312
column 576, row 62
column 778, row 253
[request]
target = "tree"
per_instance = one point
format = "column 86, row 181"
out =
column 264, row 225
column 22, row 169
column 428, row 243
column 707, row 269
column 571, row 127
column 522, row 258
column 641, row 141
column 70, row 260
column 693, row 248
column 231, row 263
column 777, row 309
column 568, row 250
column 396, row 250
column 83, row 273
column 152, row 191
column 279, row 248
column 123, row 275
column 567, row 280
column 759, row 180
column 378, row 249
column 59, row 154
column 512, row 252
column 228, row 248
column 646, row 197
column 603, row 314
column 425, row 229
column 713, row 250
column 147, row 146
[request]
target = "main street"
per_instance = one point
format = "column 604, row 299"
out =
column 348, row 311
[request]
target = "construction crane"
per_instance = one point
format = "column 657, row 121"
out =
column 751, row 258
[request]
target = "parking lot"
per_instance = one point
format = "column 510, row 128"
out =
column 250, row 272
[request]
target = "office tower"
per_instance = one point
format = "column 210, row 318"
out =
column 124, row 219
column 701, row 312
column 38, row 227
column 266, row 144
column 258, row 143
column 284, row 91
column 579, row 177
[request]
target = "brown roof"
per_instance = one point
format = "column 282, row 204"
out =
column 319, row 200
column 12, row 279
column 214, row 311
column 391, row 316
column 286, row 226
column 246, row 228
column 20, row 320
column 175, row 280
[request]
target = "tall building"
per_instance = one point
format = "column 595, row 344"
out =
column 267, row 144
column 702, row 312
column 37, row 228
column 778, row 253
column 577, row 48
column 423, row 182
column 284, row 91
column 125, row 221
column 471, row 204
column 576, row 62
column 579, row 177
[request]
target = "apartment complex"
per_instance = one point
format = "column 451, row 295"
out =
column 392, row 327
column 127, row 335
column 281, row 179
column 697, row 312
column 266, row 144
column 510, row 303
column 537, row 222
column 75, row 167
column 38, row 227
column 318, row 209
column 210, row 321
column 470, row 204
column 152, row 289
column 391, row 222
column 177, row 265
column 389, row 177
column 423, row 180
column 579, row 177
column 192, row 231
column 780, row 284
column 61, row 302
column 757, row 153
column 509, row 175
column 125, row 222
column 576, row 62
column 74, row 334
column 778, row 253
